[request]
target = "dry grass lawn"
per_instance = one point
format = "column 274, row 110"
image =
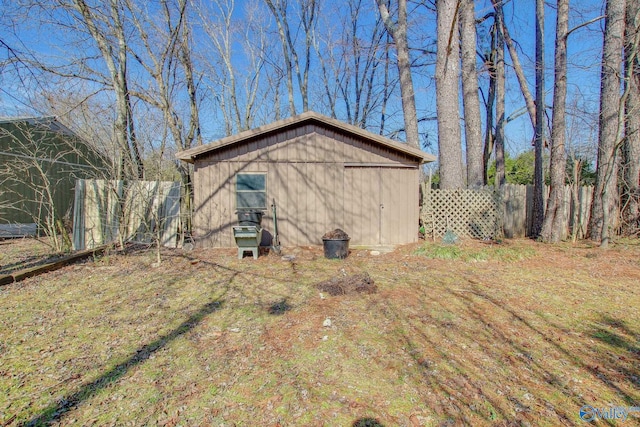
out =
column 515, row 334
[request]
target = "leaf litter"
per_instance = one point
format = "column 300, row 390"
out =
column 523, row 340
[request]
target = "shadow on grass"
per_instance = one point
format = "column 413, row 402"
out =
column 466, row 394
column 623, row 345
column 279, row 307
column 57, row 410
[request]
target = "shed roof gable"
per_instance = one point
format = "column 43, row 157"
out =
column 298, row 121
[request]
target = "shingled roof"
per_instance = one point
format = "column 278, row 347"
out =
column 297, row 121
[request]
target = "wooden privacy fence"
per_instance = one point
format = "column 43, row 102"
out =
column 487, row 213
column 139, row 211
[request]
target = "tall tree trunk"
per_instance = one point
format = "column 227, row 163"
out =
column 605, row 195
column 398, row 31
column 500, row 90
column 113, row 48
column 308, row 17
column 490, row 63
column 470, row 96
column 279, row 13
column 538, row 184
column 553, row 220
column 517, row 68
column 631, row 146
column 386, row 91
column 195, row 132
column 447, row 97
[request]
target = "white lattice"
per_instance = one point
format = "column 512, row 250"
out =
column 467, row 213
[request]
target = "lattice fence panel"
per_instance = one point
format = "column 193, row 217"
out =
column 467, row 213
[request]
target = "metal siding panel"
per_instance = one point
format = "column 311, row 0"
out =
column 213, row 194
column 277, row 182
column 289, row 190
column 322, row 149
column 375, row 203
column 335, row 205
column 305, row 146
column 229, row 218
column 296, row 149
column 310, row 149
column 400, row 199
column 352, row 206
column 361, row 209
column 297, row 183
column 200, row 182
column 332, row 148
column 252, row 151
column 357, row 148
column 262, row 149
column 321, row 202
column 313, row 202
column 279, row 149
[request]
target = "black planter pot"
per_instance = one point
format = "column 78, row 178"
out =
column 335, row 248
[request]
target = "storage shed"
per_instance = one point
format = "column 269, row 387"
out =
column 322, row 174
column 40, row 160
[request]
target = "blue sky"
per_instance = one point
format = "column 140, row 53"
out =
column 584, row 58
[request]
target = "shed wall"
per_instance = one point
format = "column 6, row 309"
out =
column 320, row 180
column 34, row 161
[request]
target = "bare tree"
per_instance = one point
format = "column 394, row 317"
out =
column 500, row 92
column 291, row 56
column 108, row 32
column 605, row 197
column 490, row 100
column 352, row 63
column 538, row 201
column 447, row 97
column 398, row 31
column 164, row 52
column 517, row 68
column 165, row 56
column 470, row 95
column 553, row 220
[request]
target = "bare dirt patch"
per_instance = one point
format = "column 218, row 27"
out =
column 346, row 285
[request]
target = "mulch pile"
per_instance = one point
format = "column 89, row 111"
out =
column 336, row 234
column 357, row 283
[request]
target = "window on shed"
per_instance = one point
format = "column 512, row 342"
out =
column 251, row 191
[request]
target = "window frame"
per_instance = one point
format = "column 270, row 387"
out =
column 263, row 191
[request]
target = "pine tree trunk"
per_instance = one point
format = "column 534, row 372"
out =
column 631, row 147
column 500, row 100
column 603, row 208
column 490, row 63
column 447, row 97
column 470, row 96
column 553, row 219
column 538, row 184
